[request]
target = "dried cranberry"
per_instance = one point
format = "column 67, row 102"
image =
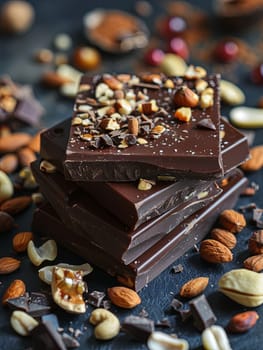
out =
column 257, row 74
column 173, row 26
column 226, row 51
column 178, row 46
column 154, row 57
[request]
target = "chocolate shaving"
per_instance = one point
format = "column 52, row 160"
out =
column 206, row 123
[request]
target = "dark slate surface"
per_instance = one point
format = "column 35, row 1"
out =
column 16, row 59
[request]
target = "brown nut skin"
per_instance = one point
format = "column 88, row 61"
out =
column 225, row 237
column 254, row 263
column 232, row 220
column 242, row 322
column 194, row 287
column 124, row 297
column 215, row 252
column 185, row 97
column 255, row 242
column 256, row 159
column 8, row 265
column 16, row 289
column 21, row 240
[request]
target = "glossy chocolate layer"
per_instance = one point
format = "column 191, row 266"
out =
column 132, row 206
column 156, row 259
column 80, row 212
column 182, row 149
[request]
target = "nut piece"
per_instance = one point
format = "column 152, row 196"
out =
column 124, row 297
column 232, row 221
column 6, row 187
column 254, row 263
column 215, row 252
column 8, row 265
column 225, row 237
column 215, row 338
column 231, row 93
column 243, row 286
column 163, row 341
column 67, row 288
column 242, row 322
column 133, row 126
column 8, row 163
column 107, row 324
column 16, row 289
column 194, row 287
column 185, row 97
column 14, row 206
column 20, row 241
column 26, row 156
column 45, row 274
column 255, row 242
column 184, row 114
column 22, row 323
column 47, row 167
column 12, row 142
column 48, row 251
column 144, row 185
column 256, row 159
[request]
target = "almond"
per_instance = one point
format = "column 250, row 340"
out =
column 194, row 287
column 215, row 252
column 16, row 289
column 8, row 163
column 256, row 159
column 185, row 97
column 254, row 263
column 12, row 142
column 232, row 221
column 54, row 80
column 225, row 237
column 20, row 241
column 26, row 156
column 8, row 265
column 6, row 222
column 112, row 82
column 34, row 144
column 14, row 206
column 124, row 297
column 255, row 242
column 242, row 322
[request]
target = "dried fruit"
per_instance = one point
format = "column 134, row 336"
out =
column 67, row 288
column 185, row 97
column 215, row 338
column 8, row 265
column 16, row 289
column 215, row 252
column 194, row 287
column 242, row 322
column 255, row 242
column 254, row 263
column 47, row 251
column 243, row 286
column 21, row 240
column 16, row 205
column 232, row 220
column 107, row 324
column 256, row 159
column 225, row 237
column 124, row 297
column 12, row 142
column 22, row 323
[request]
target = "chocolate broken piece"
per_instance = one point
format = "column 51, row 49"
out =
column 258, row 217
column 35, row 304
column 45, row 336
column 138, row 327
column 206, row 123
column 95, row 298
column 202, row 313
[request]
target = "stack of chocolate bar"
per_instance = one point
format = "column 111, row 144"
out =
column 140, row 172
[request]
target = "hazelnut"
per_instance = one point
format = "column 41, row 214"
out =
column 16, row 16
column 184, row 114
column 86, row 58
column 185, row 97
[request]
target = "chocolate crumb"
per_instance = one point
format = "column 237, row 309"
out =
column 247, row 207
column 164, row 323
column 258, row 217
column 206, row 123
column 177, row 268
column 95, row 298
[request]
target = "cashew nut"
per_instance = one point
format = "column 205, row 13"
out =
column 107, row 324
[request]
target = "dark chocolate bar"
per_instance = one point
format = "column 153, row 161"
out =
column 80, row 212
column 132, row 206
column 157, row 258
column 125, row 127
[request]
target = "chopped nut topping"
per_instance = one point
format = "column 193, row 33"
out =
column 193, row 72
column 184, row 114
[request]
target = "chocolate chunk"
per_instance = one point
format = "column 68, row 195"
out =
column 69, row 341
column 44, row 337
column 35, row 304
column 95, row 298
column 177, row 268
column 202, row 313
column 138, row 327
column 51, row 319
column 176, row 304
column 258, row 217
column 206, row 123
column 164, row 323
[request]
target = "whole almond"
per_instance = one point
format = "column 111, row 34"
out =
column 26, row 156
column 232, row 220
column 215, row 252
column 54, row 79
column 256, row 159
column 8, row 265
column 6, row 222
column 255, row 242
column 124, row 297
column 254, row 263
column 194, row 287
column 20, row 241
column 16, row 289
column 34, row 144
column 8, row 163
column 242, row 322
column 225, row 237
column 12, row 142
column 16, row 205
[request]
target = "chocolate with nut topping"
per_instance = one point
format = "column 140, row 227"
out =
column 103, row 146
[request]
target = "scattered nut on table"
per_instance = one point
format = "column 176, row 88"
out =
column 107, row 324
column 47, row 251
column 163, row 341
column 22, row 322
column 215, row 338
